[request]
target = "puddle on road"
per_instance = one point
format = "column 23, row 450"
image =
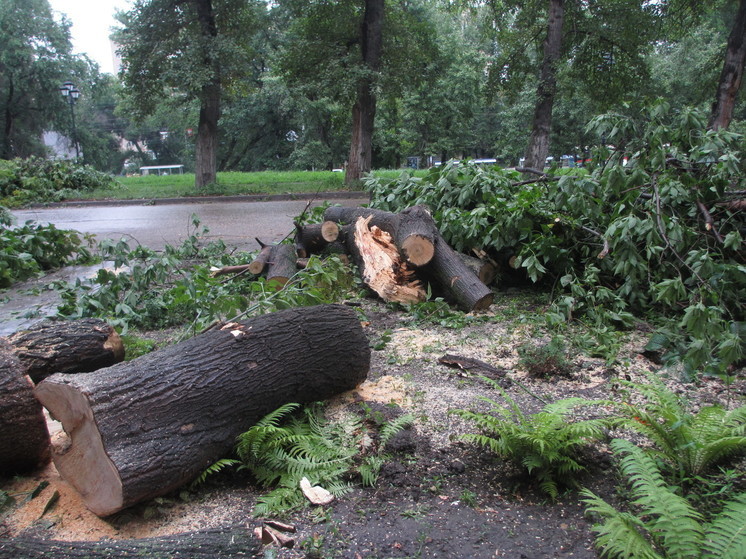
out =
column 34, row 300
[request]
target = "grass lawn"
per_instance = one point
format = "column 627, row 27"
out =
column 265, row 182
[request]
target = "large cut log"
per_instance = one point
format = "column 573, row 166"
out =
column 143, row 428
column 449, row 274
column 281, row 265
column 313, row 238
column 380, row 265
column 219, row 543
column 412, row 230
column 77, row 346
column 24, row 440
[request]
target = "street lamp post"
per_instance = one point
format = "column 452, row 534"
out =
column 71, row 94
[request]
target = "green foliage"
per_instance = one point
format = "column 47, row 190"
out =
column 616, row 240
column 545, row 444
column 293, row 442
column 25, row 181
column 689, row 444
column 545, row 360
column 214, row 468
column 662, row 524
column 33, row 248
column 150, row 290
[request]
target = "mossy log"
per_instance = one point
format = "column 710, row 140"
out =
column 220, row 543
column 143, row 428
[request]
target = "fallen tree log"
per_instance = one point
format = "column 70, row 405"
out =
column 380, row 266
column 24, row 439
column 313, row 238
column 486, row 271
column 281, row 265
column 221, row 543
column 449, row 274
column 77, row 346
column 412, row 230
column 143, row 428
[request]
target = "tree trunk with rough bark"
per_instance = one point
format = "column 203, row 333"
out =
column 364, row 109
column 541, row 126
column 143, row 428
column 205, row 166
column 281, row 265
column 228, row 543
column 732, row 74
column 24, row 439
column 315, row 237
column 77, row 346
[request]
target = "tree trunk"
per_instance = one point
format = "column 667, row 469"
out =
column 448, row 273
column 24, row 439
column 732, row 73
column 281, row 265
column 143, row 428
column 413, row 229
column 364, row 109
column 76, row 346
column 541, row 126
column 205, row 168
column 227, row 543
column 314, row 238
column 380, row 266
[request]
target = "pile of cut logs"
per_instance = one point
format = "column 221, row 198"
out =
column 138, row 429
column 396, row 255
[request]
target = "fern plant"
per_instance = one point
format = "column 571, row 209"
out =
column 294, row 442
column 545, row 444
column 662, row 524
column 689, row 443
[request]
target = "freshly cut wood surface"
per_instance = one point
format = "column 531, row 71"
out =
column 143, row 428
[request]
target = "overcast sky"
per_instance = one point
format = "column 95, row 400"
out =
column 92, row 22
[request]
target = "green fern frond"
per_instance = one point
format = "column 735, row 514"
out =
column 394, row 426
column 726, row 535
column 620, row 534
column 214, row 469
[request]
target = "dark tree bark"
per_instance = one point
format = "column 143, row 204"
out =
column 281, row 265
column 449, row 274
column 732, row 73
column 143, row 428
column 24, row 439
column 364, row 109
column 228, row 543
column 76, row 346
column 209, row 110
column 315, row 237
column 538, row 146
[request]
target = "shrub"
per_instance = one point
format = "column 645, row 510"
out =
column 544, row 360
column 24, row 181
column 656, row 233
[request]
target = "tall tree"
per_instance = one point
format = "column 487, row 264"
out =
column 597, row 44
column 35, row 58
column 187, row 51
column 353, row 51
column 732, row 73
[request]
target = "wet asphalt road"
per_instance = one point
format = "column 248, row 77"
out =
column 236, row 222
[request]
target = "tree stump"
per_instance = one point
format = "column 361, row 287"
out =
column 77, row 346
column 24, row 439
column 143, row 428
column 227, row 543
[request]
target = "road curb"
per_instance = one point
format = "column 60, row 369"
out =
column 315, row 196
